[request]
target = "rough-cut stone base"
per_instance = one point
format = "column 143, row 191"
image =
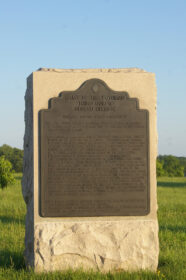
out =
column 99, row 245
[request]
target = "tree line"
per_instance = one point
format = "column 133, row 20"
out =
column 170, row 166
column 11, row 160
column 14, row 156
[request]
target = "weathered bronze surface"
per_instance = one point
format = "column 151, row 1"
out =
column 94, row 154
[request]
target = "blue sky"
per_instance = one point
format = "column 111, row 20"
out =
column 95, row 34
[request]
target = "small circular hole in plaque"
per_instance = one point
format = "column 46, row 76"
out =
column 95, row 88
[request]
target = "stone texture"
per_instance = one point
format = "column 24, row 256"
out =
column 100, row 243
column 27, row 180
column 94, row 70
column 99, row 246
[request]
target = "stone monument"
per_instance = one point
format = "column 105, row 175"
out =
column 89, row 177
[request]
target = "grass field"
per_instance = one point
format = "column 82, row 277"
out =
column 172, row 237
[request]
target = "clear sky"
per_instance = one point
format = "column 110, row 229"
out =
column 146, row 34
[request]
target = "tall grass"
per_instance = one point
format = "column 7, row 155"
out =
column 172, row 237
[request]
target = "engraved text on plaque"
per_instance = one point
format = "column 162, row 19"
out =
column 94, row 154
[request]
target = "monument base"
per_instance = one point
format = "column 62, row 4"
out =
column 98, row 245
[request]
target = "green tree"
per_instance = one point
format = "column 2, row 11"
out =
column 7, row 151
column 17, row 160
column 171, row 166
column 182, row 161
column 14, row 155
column 159, row 168
column 6, row 172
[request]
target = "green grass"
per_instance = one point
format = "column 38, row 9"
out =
column 172, row 225
column 172, row 237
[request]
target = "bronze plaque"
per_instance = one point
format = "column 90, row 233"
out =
column 94, row 154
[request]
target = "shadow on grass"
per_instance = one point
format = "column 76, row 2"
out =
column 174, row 229
column 164, row 261
column 18, row 177
column 172, row 184
column 13, row 260
column 11, row 220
